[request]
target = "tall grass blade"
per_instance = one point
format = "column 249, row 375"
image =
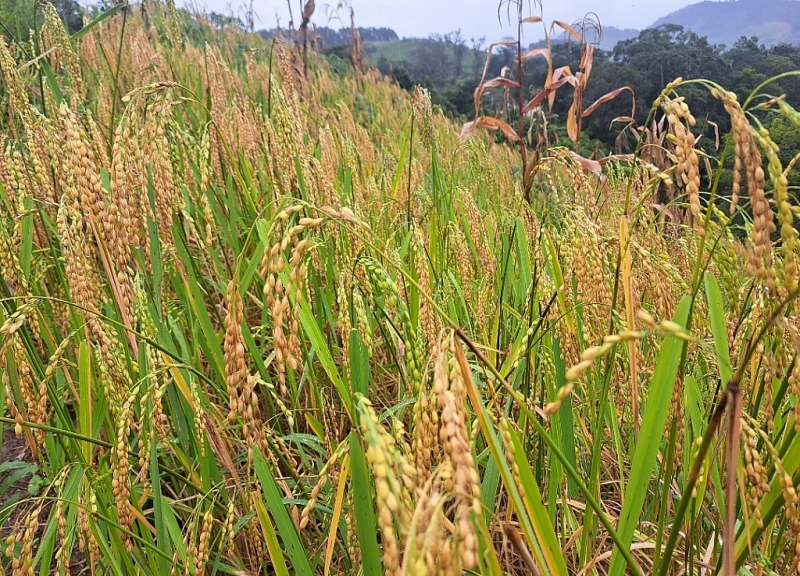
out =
column 366, row 524
column 286, row 529
column 656, row 410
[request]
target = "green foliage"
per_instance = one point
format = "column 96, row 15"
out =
column 18, row 17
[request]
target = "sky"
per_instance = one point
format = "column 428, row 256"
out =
column 475, row 18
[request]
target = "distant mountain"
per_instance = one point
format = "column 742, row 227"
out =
column 613, row 35
column 331, row 38
column 772, row 21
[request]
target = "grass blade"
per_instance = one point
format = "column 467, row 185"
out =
column 366, row 524
column 656, row 410
column 272, row 497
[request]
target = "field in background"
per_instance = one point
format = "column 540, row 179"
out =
column 263, row 316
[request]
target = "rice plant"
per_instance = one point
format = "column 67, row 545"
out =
column 263, row 313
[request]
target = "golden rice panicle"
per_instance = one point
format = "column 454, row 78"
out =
column 128, row 206
column 17, row 185
column 87, row 508
column 241, row 384
column 459, row 250
column 428, row 320
column 34, row 397
column 590, row 273
column 791, row 511
column 62, row 552
column 478, row 224
column 757, row 477
column 740, row 128
column 464, row 485
column 198, row 544
column 53, row 28
column 87, row 46
column 10, row 268
column 284, row 135
column 82, row 169
column 120, row 225
column 120, row 469
column 157, row 157
column 761, row 259
column 5, row 175
column 425, row 448
column 394, row 479
column 284, row 300
column 204, row 165
column 687, row 168
column 363, row 323
column 329, row 158
column 746, row 150
column 426, row 551
column 236, row 371
column 344, row 323
column 273, row 264
column 17, row 92
column 678, row 415
column 794, row 387
column 423, row 117
column 780, row 183
column 22, row 565
column 81, row 204
column 288, row 73
column 322, row 479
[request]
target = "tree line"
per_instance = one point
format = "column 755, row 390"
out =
column 451, row 70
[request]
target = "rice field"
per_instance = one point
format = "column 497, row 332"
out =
column 268, row 315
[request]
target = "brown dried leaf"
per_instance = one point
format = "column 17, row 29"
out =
column 716, row 133
column 580, row 84
column 547, row 91
column 568, row 29
column 308, row 11
column 572, row 123
column 489, row 123
column 587, row 60
column 531, row 20
column 564, row 71
column 489, row 58
column 588, row 165
column 500, row 81
column 493, row 83
column 467, row 129
column 610, row 96
column 559, row 77
column 538, row 52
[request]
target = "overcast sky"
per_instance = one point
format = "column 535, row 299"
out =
column 475, row 18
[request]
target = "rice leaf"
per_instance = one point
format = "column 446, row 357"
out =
column 656, row 410
column 286, row 529
column 366, row 524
